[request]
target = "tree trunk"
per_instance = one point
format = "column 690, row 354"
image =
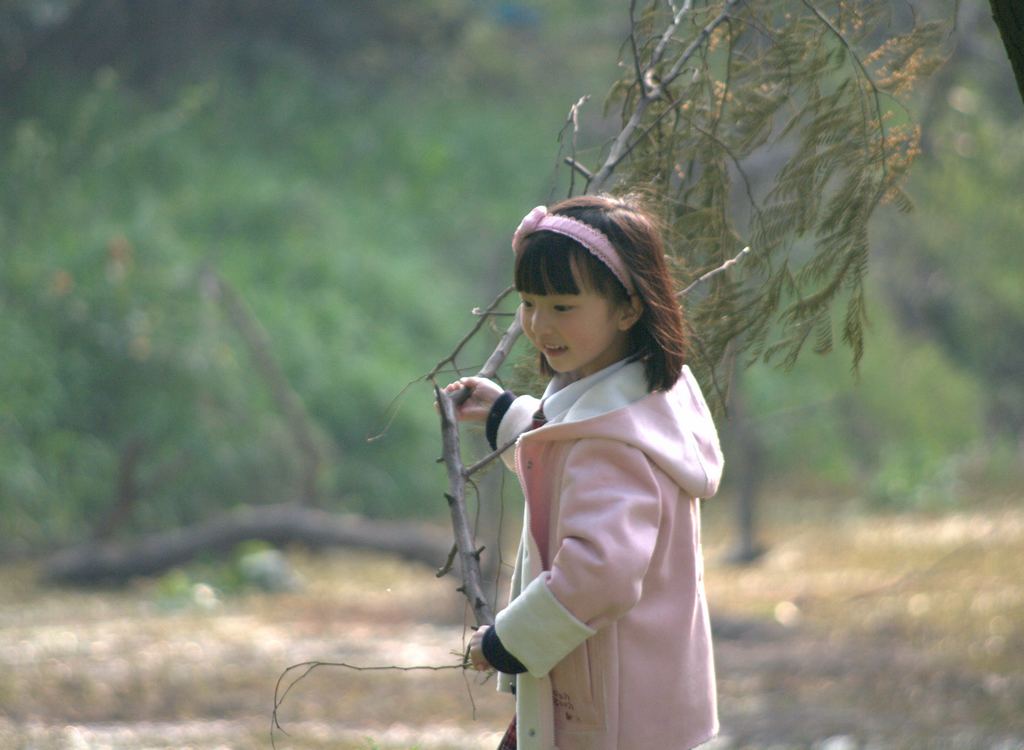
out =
column 747, row 454
column 112, row 563
column 1009, row 18
column 127, row 490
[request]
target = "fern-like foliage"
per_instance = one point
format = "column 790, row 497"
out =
column 778, row 125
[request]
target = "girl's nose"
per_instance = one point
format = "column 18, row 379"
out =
column 539, row 322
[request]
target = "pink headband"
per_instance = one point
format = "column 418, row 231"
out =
column 595, row 241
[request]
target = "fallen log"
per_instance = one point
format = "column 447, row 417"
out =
column 110, row 562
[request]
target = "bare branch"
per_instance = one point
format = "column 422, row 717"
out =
column 309, row 666
column 472, row 580
column 579, row 168
column 502, row 350
column 666, row 37
column 573, row 120
column 636, row 50
column 483, row 315
column 448, row 563
column 483, row 462
column 715, row 271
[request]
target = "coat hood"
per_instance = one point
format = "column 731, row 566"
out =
column 673, row 428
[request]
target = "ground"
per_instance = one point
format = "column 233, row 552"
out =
column 852, row 631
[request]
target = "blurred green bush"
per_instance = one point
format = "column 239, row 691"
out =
column 360, row 202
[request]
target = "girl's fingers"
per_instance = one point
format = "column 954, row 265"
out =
column 476, row 654
column 472, row 397
column 458, row 385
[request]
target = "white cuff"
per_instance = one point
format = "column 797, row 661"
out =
column 516, row 420
column 538, row 630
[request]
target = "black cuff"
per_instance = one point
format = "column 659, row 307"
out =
column 497, row 656
column 497, row 413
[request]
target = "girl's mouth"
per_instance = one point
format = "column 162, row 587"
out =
column 555, row 351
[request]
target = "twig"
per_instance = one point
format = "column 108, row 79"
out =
column 715, row 271
column 502, row 350
column 636, row 50
column 309, row 666
column 465, row 339
column 448, row 563
column 666, row 37
column 573, row 120
column 579, row 167
column 489, row 458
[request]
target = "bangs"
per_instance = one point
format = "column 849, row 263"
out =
column 551, row 263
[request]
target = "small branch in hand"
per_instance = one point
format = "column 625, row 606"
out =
column 472, row 579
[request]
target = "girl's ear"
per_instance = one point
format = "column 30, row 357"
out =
column 630, row 313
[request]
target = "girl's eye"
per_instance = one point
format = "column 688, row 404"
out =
column 527, row 304
column 563, row 308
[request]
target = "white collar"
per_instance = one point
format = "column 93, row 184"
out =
column 562, row 393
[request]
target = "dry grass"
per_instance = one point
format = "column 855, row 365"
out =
column 136, row 668
column 898, row 631
column 895, row 632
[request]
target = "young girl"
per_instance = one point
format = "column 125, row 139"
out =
column 606, row 641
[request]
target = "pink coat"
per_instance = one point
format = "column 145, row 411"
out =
column 608, row 611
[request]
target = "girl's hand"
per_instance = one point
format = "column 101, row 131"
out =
column 482, row 395
column 476, row 650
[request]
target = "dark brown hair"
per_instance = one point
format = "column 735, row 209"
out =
column 551, row 263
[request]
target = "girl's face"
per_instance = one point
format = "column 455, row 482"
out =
column 578, row 333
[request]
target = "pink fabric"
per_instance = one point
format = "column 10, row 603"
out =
column 508, row 740
column 595, row 241
column 615, row 518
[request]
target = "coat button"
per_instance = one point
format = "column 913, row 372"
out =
column 532, row 733
column 529, row 465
